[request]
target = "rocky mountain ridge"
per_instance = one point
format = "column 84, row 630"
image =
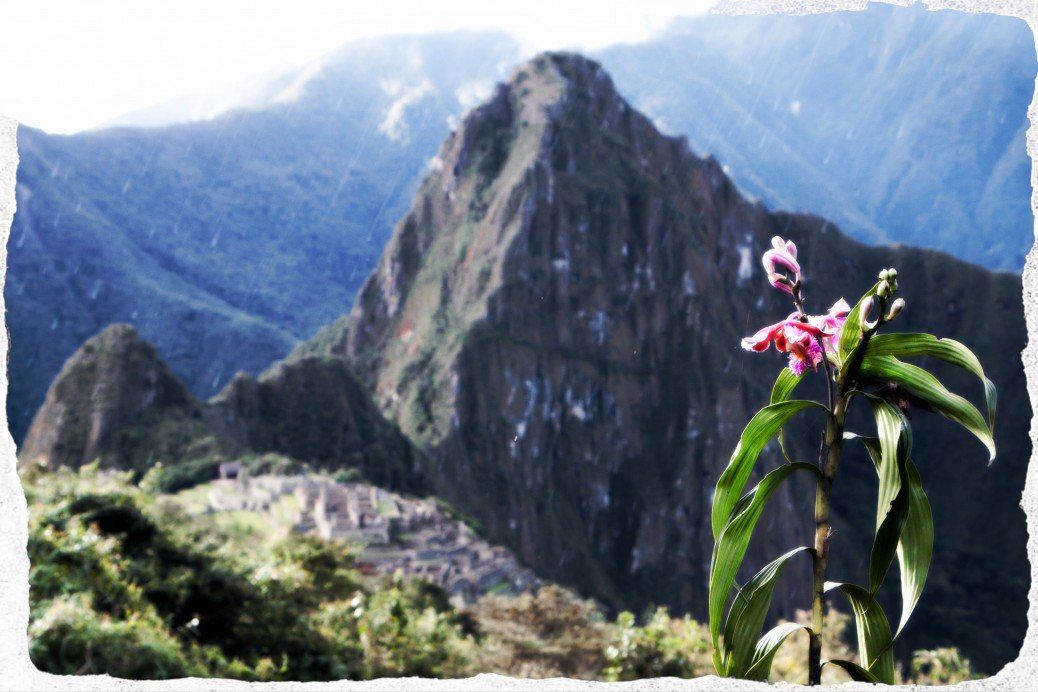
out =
column 117, row 403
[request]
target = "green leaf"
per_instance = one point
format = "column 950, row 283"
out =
column 850, row 335
column 758, row 432
column 857, row 673
column 915, row 550
column 894, row 442
column 874, row 640
column 747, row 614
column 730, row 546
column 785, row 383
column 915, row 547
column 948, row 350
column 766, row 648
column 887, row 540
column 925, row 386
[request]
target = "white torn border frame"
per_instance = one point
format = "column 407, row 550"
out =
column 18, row 673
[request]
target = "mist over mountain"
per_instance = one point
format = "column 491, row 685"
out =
column 226, row 241
column 899, row 124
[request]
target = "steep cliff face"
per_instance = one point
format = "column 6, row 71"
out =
column 315, row 410
column 114, row 401
column 557, row 321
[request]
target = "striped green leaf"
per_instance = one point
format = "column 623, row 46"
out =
column 758, row 432
column 894, row 439
column 915, row 547
column 766, row 648
column 785, row 383
column 925, row 386
column 890, row 514
column 948, row 350
column 747, row 614
column 889, row 451
column 915, row 550
column 730, row 546
column 874, row 640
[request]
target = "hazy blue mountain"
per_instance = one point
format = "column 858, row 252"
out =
column 900, row 124
column 225, row 241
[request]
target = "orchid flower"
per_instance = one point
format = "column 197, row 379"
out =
column 832, row 322
column 799, row 337
column 794, row 336
column 782, row 256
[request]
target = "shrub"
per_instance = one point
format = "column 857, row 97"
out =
column 662, row 647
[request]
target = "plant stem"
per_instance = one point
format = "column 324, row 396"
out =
column 823, row 533
column 823, row 529
column 839, row 394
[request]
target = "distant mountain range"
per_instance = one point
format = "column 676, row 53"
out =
column 899, row 124
column 552, row 334
column 226, row 241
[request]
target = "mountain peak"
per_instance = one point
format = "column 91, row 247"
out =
column 576, row 71
column 313, row 409
column 113, row 397
column 556, row 126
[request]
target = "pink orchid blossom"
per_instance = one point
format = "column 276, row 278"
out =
column 800, row 339
column 832, row 322
column 780, row 258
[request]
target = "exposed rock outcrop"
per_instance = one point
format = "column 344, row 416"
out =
column 315, row 410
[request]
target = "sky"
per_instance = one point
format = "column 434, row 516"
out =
column 69, row 65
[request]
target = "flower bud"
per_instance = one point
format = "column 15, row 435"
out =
column 895, row 308
column 892, row 273
column 779, row 260
column 883, row 275
column 863, row 316
column 883, row 290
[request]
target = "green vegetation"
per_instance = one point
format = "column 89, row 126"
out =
column 663, row 647
column 191, row 473
column 125, row 580
column 855, row 357
column 124, row 583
